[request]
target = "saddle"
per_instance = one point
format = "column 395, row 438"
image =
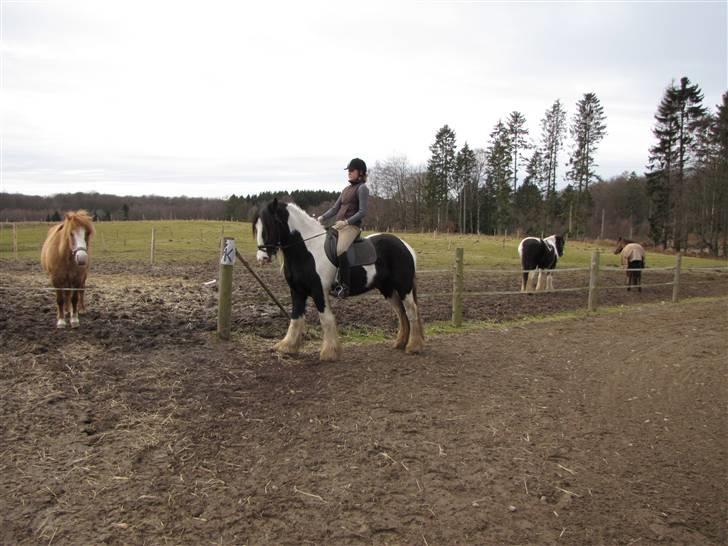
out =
column 361, row 251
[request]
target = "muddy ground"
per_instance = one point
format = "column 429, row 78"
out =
column 141, row 428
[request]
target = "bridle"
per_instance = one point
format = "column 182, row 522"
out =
column 281, row 246
column 79, row 248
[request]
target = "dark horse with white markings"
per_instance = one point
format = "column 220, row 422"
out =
column 539, row 255
column 310, row 272
column 633, row 261
column 65, row 257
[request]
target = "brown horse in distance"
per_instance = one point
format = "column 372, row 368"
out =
column 65, row 257
column 633, row 260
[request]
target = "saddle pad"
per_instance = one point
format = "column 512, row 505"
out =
column 361, row 252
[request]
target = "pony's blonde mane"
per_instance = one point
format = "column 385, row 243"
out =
column 56, row 248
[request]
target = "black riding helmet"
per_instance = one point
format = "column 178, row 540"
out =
column 357, row 164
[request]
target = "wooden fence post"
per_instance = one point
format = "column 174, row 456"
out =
column 153, row 245
column 15, row 241
column 225, row 289
column 593, row 276
column 676, row 279
column 457, row 290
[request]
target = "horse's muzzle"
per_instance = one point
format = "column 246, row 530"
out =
column 262, row 257
column 81, row 257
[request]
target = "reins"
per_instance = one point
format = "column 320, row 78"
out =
column 282, row 246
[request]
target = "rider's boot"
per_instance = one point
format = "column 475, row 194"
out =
column 344, row 288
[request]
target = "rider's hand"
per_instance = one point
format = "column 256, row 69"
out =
column 340, row 224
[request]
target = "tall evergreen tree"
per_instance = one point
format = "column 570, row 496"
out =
column 553, row 129
column 499, row 173
column 518, row 137
column 466, row 182
column 588, row 128
column 678, row 120
column 440, row 172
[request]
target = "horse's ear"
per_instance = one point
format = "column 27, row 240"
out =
column 273, row 204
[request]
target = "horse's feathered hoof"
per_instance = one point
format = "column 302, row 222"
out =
column 330, row 353
column 75, row 323
column 285, row 348
column 414, row 348
column 61, row 323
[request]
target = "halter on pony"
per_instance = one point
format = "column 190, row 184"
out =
column 65, row 258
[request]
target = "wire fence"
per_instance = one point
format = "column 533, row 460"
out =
column 593, row 277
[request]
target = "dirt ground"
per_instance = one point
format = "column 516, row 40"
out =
column 141, row 428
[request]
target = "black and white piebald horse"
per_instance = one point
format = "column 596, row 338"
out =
column 539, row 255
column 311, row 273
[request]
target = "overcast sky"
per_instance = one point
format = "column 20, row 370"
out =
column 213, row 98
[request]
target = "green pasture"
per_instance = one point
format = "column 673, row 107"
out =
column 199, row 241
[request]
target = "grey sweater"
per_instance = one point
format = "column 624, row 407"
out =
column 362, row 193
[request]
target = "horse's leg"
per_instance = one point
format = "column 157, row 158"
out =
column 330, row 348
column 524, row 282
column 60, row 315
column 549, row 281
column 531, row 282
column 417, row 337
column 629, row 281
column 541, row 280
column 81, row 302
column 638, row 280
column 293, row 339
column 74, row 309
column 404, row 325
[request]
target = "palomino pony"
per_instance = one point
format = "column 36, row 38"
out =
column 310, row 273
column 633, row 261
column 539, row 255
column 65, row 257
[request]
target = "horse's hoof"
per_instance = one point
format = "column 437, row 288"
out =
column 414, row 348
column 61, row 323
column 330, row 353
column 75, row 323
column 285, row 348
column 399, row 345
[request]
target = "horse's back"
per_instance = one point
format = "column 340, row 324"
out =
column 633, row 252
column 528, row 243
column 390, row 247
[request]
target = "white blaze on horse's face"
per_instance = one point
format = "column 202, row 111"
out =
column 262, row 256
column 78, row 246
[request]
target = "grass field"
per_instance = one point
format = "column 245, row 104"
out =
column 199, row 241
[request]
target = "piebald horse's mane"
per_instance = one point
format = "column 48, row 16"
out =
column 295, row 217
column 59, row 237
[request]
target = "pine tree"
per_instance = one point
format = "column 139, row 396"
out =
column 499, row 173
column 518, row 138
column 553, row 129
column 440, row 171
column 588, row 128
column 678, row 120
column 466, row 182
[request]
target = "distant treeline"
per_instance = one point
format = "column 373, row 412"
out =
column 243, row 208
column 104, row 207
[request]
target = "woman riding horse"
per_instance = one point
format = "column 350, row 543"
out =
column 310, row 273
column 349, row 209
